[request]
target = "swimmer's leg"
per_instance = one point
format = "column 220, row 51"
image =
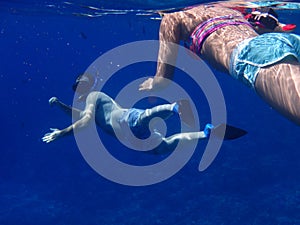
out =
column 164, row 111
column 169, row 143
column 279, row 85
column 67, row 109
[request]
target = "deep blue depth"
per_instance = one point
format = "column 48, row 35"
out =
column 254, row 180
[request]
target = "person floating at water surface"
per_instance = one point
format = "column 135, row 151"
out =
column 111, row 117
column 268, row 63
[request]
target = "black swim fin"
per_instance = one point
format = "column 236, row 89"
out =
column 186, row 112
column 231, row 132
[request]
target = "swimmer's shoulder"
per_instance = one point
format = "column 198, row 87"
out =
column 96, row 96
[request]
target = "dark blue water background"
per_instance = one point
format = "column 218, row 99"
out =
column 254, row 180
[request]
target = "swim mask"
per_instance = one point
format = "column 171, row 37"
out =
column 83, row 85
column 267, row 18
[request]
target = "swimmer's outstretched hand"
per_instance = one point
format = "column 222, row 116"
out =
column 53, row 100
column 51, row 136
column 154, row 84
column 147, row 85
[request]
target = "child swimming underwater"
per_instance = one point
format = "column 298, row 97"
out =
column 112, row 118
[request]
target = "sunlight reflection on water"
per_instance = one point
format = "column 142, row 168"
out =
column 92, row 8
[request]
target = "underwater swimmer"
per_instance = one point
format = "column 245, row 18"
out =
column 111, row 117
column 268, row 63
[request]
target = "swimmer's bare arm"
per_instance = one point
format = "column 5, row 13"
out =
column 66, row 108
column 87, row 115
column 170, row 32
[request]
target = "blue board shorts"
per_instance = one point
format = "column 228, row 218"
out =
column 261, row 51
column 138, row 119
column 131, row 118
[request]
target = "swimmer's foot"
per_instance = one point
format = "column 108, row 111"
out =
column 186, row 113
column 231, row 132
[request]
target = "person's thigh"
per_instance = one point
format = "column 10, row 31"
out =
column 279, row 85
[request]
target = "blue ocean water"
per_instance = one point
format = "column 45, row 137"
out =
column 44, row 46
